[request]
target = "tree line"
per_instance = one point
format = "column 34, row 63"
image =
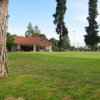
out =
column 91, row 38
column 36, row 32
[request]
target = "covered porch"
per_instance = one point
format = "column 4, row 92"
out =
column 34, row 48
column 31, row 44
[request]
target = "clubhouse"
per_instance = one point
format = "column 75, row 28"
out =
column 31, row 44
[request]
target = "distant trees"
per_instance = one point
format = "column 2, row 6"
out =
column 55, row 43
column 29, row 31
column 37, row 30
column 99, row 48
column 10, row 41
column 32, row 32
column 59, row 21
column 92, row 39
column 65, row 44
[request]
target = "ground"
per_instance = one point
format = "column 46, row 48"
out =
column 52, row 76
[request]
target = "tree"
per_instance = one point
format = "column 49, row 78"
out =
column 33, row 32
column 92, row 39
column 37, row 30
column 65, row 43
column 99, row 48
column 59, row 20
column 55, row 43
column 29, row 31
column 3, row 36
column 43, row 36
column 10, row 41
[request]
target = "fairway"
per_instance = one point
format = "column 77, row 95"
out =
column 52, row 76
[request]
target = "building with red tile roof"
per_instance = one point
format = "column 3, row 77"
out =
column 31, row 44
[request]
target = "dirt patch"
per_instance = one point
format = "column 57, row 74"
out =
column 95, row 95
column 67, row 98
column 12, row 98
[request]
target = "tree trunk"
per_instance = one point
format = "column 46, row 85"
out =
column 3, row 36
column 60, row 45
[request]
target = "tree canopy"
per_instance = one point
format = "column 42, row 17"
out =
column 59, row 20
column 33, row 32
column 92, row 39
column 29, row 31
column 10, row 41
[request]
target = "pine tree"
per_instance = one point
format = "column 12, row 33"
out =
column 59, row 20
column 29, row 31
column 92, row 39
column 37, row 30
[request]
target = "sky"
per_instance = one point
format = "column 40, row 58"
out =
column 39, row 12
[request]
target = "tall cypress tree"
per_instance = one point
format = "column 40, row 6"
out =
column 91, row 39
column 59, row 20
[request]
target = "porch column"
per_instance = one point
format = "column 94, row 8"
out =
column 18, row 47
column 34, row 48
column 50, row 48
column 47, row 47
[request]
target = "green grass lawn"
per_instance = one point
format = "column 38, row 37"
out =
column 52, row 76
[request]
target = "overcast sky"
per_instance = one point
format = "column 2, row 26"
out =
column 39, row 12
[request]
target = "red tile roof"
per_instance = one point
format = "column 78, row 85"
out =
column 31, row 41
column 3, row 0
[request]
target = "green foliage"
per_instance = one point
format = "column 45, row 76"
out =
column 99, row 39
column 92, row 38
column 43, row 36
column 39, row 35
column 52, row 76
column 10, row 41
column 33, row 32
column 92, row 41
column 59, row 20
column 37, row 30
column 99, row 47
column 55, row 42
column 29, row 31
column 65, row 43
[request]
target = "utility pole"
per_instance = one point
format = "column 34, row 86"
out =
column 74, row 39
column 78, row 45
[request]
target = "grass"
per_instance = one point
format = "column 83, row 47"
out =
column 52, row 76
